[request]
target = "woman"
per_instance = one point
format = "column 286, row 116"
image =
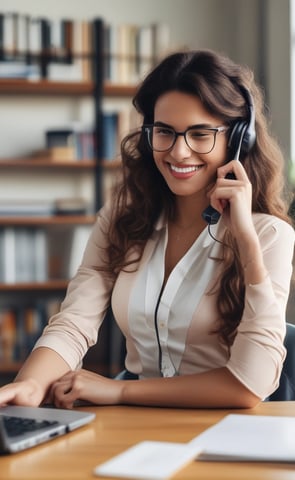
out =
column 202, row 307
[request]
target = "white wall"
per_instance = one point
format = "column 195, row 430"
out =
column 278, row 70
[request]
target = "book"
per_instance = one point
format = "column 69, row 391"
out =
column 9, row 255
column 145, row 50
column 30, row 208
column 86, row 49
column 45, row 46
column 8, row 334
column 60, row 68
column 79, row 240
column 108, row 146
column 9, row 34
column 161, row 40
column 240, row 437
column 71, row 206
column 33, row 323
column 17, row 70
column 24, row 255
column 40, row 255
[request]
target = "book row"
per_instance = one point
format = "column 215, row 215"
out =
column 23, row 255
column 47, row 208
column 64, row 49
column 32, row 254
column 21, row 326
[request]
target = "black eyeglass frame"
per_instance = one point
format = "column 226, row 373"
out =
column 147, row 129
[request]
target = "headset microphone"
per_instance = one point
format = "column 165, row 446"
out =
column 242, row 139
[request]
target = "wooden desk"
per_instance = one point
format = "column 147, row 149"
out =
column 117, row 428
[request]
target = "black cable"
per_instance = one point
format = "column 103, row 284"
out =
column 220, row 241
column 212, row 236
column 157, row 330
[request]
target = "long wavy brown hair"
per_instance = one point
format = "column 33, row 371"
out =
column 143, row 193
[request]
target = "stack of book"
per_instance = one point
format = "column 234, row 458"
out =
column 27, row 208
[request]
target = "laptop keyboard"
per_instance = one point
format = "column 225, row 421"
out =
column 17, row 425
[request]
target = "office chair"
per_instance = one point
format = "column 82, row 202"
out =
column 286, row 389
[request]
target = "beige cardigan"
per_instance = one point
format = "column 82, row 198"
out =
column 187, row 312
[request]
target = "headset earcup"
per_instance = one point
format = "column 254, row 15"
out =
column 235, row 138
column 243, row 131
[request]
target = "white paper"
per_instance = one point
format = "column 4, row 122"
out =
column 248, row 438
column 149, row 461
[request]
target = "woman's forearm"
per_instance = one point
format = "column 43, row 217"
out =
column 213, row 389
column 44, row 366
column 32, row 384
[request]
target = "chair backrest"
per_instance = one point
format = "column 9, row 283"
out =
column 286, row 389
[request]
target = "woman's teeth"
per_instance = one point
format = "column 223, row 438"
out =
column 185, row 169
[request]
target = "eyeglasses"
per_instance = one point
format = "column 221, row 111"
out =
column 201, row 140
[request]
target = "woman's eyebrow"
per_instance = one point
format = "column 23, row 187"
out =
column 197, row 125
column 162, row 124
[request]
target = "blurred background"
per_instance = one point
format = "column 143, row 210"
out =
column 68, row 71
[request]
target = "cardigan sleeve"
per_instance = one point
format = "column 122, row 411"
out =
column 257, row 353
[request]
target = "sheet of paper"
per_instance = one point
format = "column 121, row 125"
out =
column 248, row 438
column 149, row 461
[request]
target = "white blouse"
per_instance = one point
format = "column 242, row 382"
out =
column 177, row 304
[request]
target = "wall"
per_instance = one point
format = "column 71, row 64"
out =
column 278, row 69
column 256, row 32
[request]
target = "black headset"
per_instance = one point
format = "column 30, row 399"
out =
column 241, row 140
column 243, row 134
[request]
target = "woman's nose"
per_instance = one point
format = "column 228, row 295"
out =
column 180, row 149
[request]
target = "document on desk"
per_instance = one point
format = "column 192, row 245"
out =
column 248, row 438
column 149, row 460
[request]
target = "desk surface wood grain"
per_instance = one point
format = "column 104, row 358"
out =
column 74, row 456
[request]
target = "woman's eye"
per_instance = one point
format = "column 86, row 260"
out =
column 199, row 135
column 164, row 131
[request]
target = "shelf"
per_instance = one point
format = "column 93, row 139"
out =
column 11, row 367
column 22, row 87
column 32, row 162
column 112, row 90
column 44, row 286
column 111, row 164
column 39, row 162
column 47, row 87
column 67, row 164
column 53, row 220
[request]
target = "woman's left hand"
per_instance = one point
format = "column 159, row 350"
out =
column 233, row 198
column 86, row 386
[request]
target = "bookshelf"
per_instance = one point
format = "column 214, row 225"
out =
column 25, row 306
column 19, row 299
column 49, row 87
column 54, row 288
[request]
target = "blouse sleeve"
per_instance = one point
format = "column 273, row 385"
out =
column 257, row 353
column 75, row 328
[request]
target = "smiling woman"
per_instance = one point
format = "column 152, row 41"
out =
column 204, row 320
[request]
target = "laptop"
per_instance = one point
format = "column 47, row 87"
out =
column 25, row 427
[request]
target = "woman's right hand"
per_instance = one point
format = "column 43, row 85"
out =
column 22, row 392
